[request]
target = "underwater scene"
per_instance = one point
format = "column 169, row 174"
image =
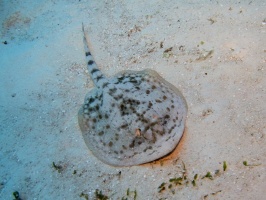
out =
column 132, row 100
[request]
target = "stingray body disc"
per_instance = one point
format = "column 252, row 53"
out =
column 134, row 118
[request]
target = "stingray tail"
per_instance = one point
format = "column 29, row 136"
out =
column 96, row 75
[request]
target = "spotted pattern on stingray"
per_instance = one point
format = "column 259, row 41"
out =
column 132, row 118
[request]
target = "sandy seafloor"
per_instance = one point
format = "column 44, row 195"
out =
column 218, row 61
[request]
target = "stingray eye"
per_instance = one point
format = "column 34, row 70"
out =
column 138, row 132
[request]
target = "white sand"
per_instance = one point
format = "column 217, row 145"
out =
column 44, row 81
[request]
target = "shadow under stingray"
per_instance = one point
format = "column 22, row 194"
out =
column 170, row 157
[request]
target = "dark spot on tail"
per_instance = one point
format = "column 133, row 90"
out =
column 99, row 77
column 90, row 62
column 94, row 70
column 88, row 53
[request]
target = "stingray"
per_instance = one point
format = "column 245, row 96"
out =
column 131, row 118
